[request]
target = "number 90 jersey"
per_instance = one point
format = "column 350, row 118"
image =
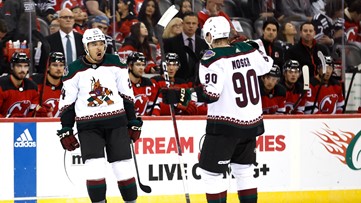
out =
column 229, row 76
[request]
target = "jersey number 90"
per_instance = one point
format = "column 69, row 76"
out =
column 246, row 93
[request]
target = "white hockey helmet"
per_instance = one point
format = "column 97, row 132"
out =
column 92, row 35
column 217, row 26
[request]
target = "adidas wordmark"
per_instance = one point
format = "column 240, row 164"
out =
column 25, row 140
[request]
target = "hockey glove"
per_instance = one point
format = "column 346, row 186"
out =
column 191, row 109
column 67, row 139
column 175, row 96
column 135, row 128
column 46, row 110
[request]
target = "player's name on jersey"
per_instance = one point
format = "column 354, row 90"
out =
column 240, row 63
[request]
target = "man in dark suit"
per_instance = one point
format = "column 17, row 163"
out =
column 66, row 40
column 190, row 53
column 305, row 51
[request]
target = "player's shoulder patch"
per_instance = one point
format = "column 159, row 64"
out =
column 208, row 54
column 71, row 69
column 66, row 70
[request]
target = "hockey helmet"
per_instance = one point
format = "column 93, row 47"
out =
column 328, row 61
column 93, row 35
column 217, row 26
column 291, row 65
column 172, row 57
column 19, row 57
column 275, row 71
column 57, row 57
column 135, row 57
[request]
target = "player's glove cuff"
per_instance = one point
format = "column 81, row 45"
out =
column 67, row 139
column 135, row 128
column 175, row 96
column 64, row 132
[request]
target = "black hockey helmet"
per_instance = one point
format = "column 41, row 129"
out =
column 57, row 57
column 172, row 57
column 291, row 64
column 135, row 57
column 275, row 71
column 329, row 60
column 19, row 57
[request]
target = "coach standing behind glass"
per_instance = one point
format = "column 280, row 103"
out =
column 66, row 40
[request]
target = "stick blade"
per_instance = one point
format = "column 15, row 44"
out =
column 145, row 188
column 323, row 61
column 168, row 16
column 306, row 77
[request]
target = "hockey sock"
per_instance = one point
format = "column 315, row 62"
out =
column 248, row 195
column 217, row 198
column 96, row 190
column 128, row 189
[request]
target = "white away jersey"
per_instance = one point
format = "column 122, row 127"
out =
column 230, row 74
column 96, row 90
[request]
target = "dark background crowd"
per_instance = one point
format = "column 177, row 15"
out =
column 292, row 32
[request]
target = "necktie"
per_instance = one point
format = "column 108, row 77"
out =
column 69, row 51
column 190, row 44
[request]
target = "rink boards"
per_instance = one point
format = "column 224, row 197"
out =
column 300, row 159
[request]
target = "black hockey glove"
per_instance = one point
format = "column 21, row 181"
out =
column 175, row 96
column 135, row 128
column 67, row 139
column 252, row 43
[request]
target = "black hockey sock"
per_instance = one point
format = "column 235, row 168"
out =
column 128, row 189
column 217, row 198
column 248, row 196
column 96, row 189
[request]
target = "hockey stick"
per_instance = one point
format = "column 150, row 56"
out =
column 144, row 188
column 168, row 15
column 154, row 102
column 44, row 81
column 66, row 171
column 355, row 70
column 306, row 85
column 323, row 62
column 41, row 95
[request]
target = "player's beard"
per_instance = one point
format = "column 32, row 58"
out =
column 54, row 76
column 135, row 75
column 18, row 77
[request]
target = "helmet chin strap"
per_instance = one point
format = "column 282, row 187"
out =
column 209, row 43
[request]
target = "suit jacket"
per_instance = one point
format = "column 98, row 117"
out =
column 56, row 44
column 188, row 72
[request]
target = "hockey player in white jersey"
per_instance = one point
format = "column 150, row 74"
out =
column 229, row 78
column 97, row 95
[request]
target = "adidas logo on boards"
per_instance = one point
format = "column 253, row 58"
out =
column 25, row 140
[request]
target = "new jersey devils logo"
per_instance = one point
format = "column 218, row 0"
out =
column 19, row 108
column 54, row 102
column 71, row 3
column 328, row 104
column 140, row 104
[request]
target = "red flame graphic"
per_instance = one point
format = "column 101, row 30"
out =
column 335, row 143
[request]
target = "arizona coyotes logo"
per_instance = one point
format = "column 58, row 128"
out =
column 99, row 94
column 328, row 104
column 19, row 108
